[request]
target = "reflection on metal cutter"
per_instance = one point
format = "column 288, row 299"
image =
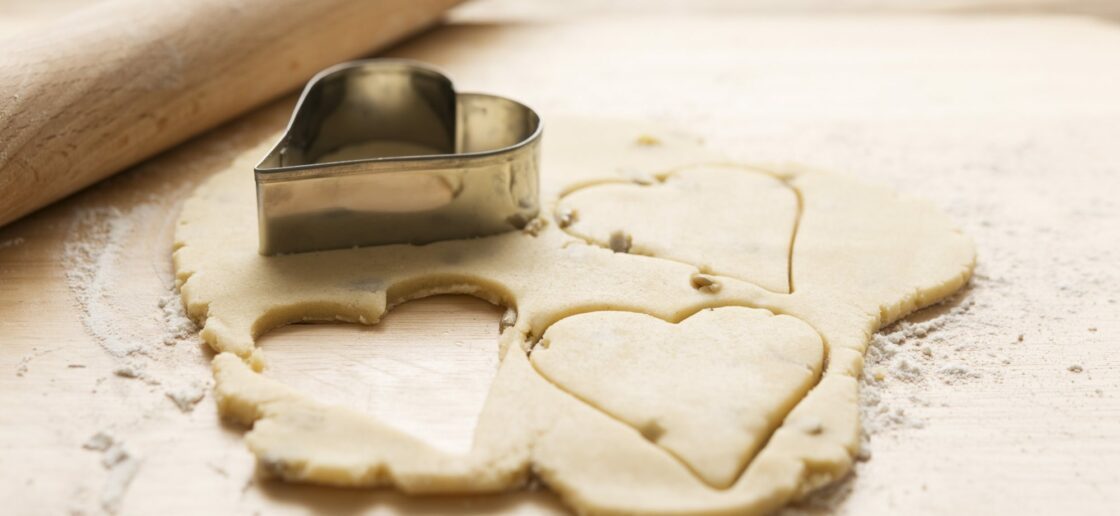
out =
column 385, row 152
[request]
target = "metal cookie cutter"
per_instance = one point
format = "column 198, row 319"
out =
column 384, row 151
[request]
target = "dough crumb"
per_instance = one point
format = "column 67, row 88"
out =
column 1075, row 368
column 639, row 177
column 653, row 431
column 620, row 241
column 509, row 318
column 518, row 221
column 273, row 467
column 566, row 217
column 705, row 283
column 100, row 441
column 129, row 370
column 535, row 226
column 647, row 140
column 812, row 426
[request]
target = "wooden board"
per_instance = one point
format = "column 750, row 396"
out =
column 1009, row 123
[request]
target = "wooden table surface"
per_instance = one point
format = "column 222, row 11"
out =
column 1007, row 401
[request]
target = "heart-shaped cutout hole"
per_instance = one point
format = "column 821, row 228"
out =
column 425, row 368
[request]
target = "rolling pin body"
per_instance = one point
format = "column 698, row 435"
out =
column 107, row 86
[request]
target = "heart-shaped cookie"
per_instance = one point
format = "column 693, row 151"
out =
column 730, row 221
column 710, row 390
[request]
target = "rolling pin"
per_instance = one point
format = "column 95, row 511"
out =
column 102, row 88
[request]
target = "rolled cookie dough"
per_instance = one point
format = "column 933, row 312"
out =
column 743, row 228
column 629, row 382
column 737, row 368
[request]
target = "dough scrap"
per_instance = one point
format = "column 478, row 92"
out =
column 709, row 390
column 862, row 258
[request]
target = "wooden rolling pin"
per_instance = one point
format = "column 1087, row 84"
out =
column 107, row 86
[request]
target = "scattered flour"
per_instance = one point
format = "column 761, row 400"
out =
column 122, row 464
column 12, row 242
column 909, row 353
column 177, row 326
column 187, row 396
column 25, row 361
column 101, row 258
column 94, row 246
column 900, row 360
column 953, row 370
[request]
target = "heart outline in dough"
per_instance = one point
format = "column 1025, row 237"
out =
column 653, row 216
column 742, row 372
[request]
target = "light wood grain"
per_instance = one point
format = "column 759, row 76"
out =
column 101, row 88
column 427, row 366
column 1008, row 123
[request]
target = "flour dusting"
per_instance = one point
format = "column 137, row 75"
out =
column 115, row 268
column 94, row 246
column 12, row 242
column 120, row 461
column 103, row 259
column 909, row 353
column 901, row 360
column 187, row 396
column 178, row 327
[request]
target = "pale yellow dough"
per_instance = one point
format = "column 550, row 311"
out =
column 710, row 370
column 735, row 368
column 744, row 229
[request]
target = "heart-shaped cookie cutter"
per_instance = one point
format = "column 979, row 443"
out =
column 385, row 151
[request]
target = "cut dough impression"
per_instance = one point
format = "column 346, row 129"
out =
column 744, row 229
column 710, row 389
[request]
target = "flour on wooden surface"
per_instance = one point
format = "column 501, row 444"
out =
column 187, row 396
column 12, row 242
column 178, row 328
column 147, row 334
column 120, row 461
column 94, row 246
column 96, row 271
column 903, row 357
